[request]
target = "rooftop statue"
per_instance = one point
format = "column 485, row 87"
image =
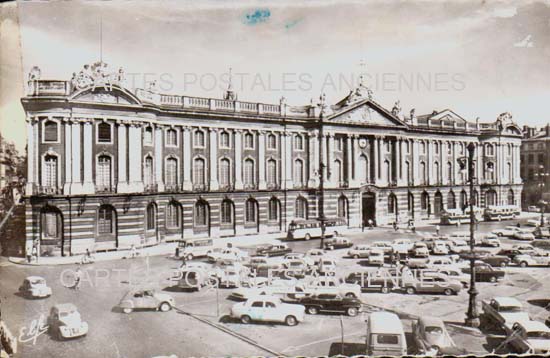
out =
column 396, row 108
column 97, row 75
column 34, row 73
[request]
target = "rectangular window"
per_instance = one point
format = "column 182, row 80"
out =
column 172, row 138
column 50, row 131
column 105, row 221
column 104, row 133
column 51, row 225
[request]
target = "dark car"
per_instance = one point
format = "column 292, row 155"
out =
column 510, row 253
column 541, row 244
column 369, row 281
column 485, row 272
column 542, row 233
column 330, row 302
column 489, row 258
column 273, row 250
column 338, row 243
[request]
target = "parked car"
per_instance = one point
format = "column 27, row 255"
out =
column 295, row 268
column 511, row 253
column 231, row 253
column 385, row 335
column 268, row 309
column 359, row 251
column 485, row 272
column 260, row 263
column 542, row 233
column 330, row 302
column 308, row 260
column 455, row 274
column 420, row 249
column 65, row 322
column 376, row 257
column 382, row 245
column 35, row 287
column 524, row 235
column 433, row 283
column 507, row 231
column 146, row 299
column 503, row 312
column 369, row 281
column 440, row 248
column 458, row 246
column 338, row 243
column 531, row 337
column 315, row 255
column 431, row 337
column 275, row 287
column 536, row 222
column 328, row 284
column 533, row 209
column 194, row 277
column 402, row 246
column 526, row 249
column 274, row 250
column 534, row 259
column 489, row 258
column 490, row 240
column 326, row 266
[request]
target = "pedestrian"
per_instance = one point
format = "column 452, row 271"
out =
column 133, row 252
column 34, row 253
column 413, row 228
column 392, row 259
column 437, row 228
column 77, row 278
column 363, row 225
column 371, row 224
column 395, row 227
column 518, row 225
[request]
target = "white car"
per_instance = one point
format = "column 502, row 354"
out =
column 326, row 266
column 228, row 254
column 382, row 245
column 420, row 249
column 359, row 251
column 490, row 240
column 507, row 231
column 277, row 287
column 35, row 287
column 376, row 257
column 524, row 235
column 402, row 246
column 532, row 337
column 268, row 309
column 315, row 255
column 308, row 260
column 328, row 285
column 455, row 274
column 440, row 248
column 458, row 246
column 536, row 222
column 525, row 249
column 440, row 262
column 535, row 259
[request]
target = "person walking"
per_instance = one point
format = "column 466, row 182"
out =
column 77, row 278
column 371, row 224
column 437, row 229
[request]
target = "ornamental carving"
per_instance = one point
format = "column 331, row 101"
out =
column 97, row 75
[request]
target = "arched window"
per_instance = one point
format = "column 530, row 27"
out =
column 224, row 140
column 337, row 171
column 451, row 200
column 271, row 172
column 50, row 171
column 273, row 213
column 387, row 170
column 171, row 138
column 227, row 211
column 151, row 217
column 198, row 138
column 437, row 173
column 490, row 197
column 423, row 173
column 511, row 197
column 106, row 220
column 103, row 173
column 171, row 171
column 408, row 172
column 463, row 200
column 342, row 207
column 104, row 132
column 201, row 214
column 148, row 135
column 298, row 172
column 301, row 208
column 225, row 171
column 249, row 172
column 410, row 202
column 490, row 171
column 424, row 200
column 363, row 169
column 271, row 141
column 148, row 176
column 51, row 224
column 51, row 132
column 173, row 215
column 392, row 204
column 450, row 176
column 251, row 211
column 199, row 175
column 249, row 141
column 489, row 150
column 298, row 142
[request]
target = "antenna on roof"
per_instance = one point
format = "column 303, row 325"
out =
column 100, row 37
column 362, row 66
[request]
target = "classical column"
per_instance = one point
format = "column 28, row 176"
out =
column 135, row 158
column 414, row 156
column 312, row 160
column 402, row 168
column 187, row 162
column 261, row 161
column 159, row 160
column 517, row 164
column 429, row 162
column 479, row 160
column 31, row 154
column 76, row 186
column 238, row 159
column 329, row 155
column 288, row 159
column 376, row 159
column 88, row 185
column 214, row 184
column 349, row 163
column 68, row 157
column 122, row 184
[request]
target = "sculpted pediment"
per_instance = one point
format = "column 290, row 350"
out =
column 100, row 95
column 366, row 113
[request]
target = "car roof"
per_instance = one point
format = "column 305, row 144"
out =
column 65, row 307
column 507, row 301
column 430, row 321
column 385, row 322
column 34, row 278
column 534, row 326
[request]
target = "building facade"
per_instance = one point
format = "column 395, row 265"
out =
column 109, row 168
column 535, row 165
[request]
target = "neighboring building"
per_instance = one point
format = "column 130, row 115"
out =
column 108, row 168
column 9, row 161
column 535, row 165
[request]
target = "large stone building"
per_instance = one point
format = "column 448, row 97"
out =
column 109, row 168
column 535, row 165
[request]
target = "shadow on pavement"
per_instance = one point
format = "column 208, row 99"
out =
column 347, row 349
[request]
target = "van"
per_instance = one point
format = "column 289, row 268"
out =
column 385, row 335
column 196, row 247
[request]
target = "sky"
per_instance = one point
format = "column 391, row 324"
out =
column 478, row 58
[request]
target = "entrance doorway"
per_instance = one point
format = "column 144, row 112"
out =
column 438, row 204
column 369, row 208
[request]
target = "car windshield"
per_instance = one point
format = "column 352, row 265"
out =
column 509, row 309
column 433, row 330
column 38, row 281
column 64, row 314
column 538, row 335
column 387, row 339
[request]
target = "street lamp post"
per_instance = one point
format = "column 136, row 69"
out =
column 321, row 210
column 542, row 176
column 467, row 164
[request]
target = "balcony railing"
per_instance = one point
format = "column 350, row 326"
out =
column 272, row 186
column 250, row 186
column 151, row 188
column 173, row 188
column 227, row 187
column 343, row 184
column 200, row 187
column 49, row 190
column 104, row 189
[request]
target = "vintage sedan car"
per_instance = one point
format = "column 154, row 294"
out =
column 489, row 258
column 533, row 209
column 507, row 231
column 295, row 268
column 432, row 283
column 490, row 240
column 65, row 322
column 327, row 284
column 458, row 246
column 386, row 247
column 146, row 299
column 359, row 251
column 440, row 248
column 315, row 255
column 274, row 250
column 432, row 339
column 542, row 233
column 268, row 309
column 231, row 253
column 536, row 222
column 525, row 249
column 35, row 287
column 338, row 243
column 329, row 302
column 523, row 235
column 485, row 272
column 503, row 312
column 326, row 266
column 382, row 280
column 403, row 246
column 420, row 249
column 511, row 253
column 534, row 259
column 376, row 257
column 260, row 263
column 455, row 274
column 308, row 260
column 275, row 287
column 532, row 337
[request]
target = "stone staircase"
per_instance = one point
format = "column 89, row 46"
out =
column 12, row 232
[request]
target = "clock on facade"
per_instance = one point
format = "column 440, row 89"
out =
column 362, row 142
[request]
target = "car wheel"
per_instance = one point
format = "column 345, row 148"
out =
column 189, row 257
column 312, row 310
column 385, row 289
column 165, row 307
column 493, row 279
column 499, row 234
column 245, row 319
column 499, row 218
column 307, row 237
column 503, row 264
column 350, row 295
column 335, row 233
column 448, row 292
column 411, row 290
column 352, row 311
column 355, row 256
column 291, row 321
column 523, row 264
column 127, row 310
